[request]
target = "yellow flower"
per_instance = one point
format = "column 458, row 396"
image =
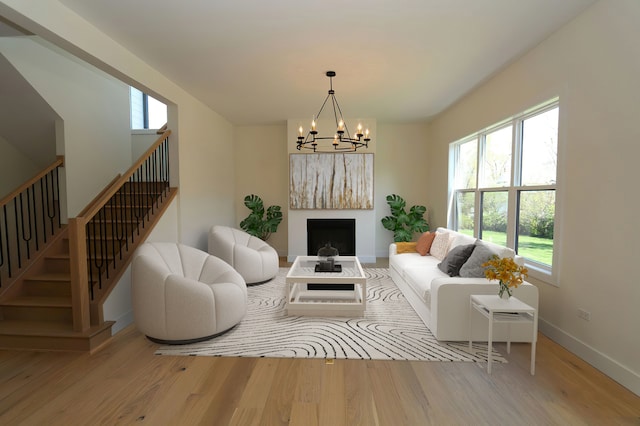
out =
column 505, row 270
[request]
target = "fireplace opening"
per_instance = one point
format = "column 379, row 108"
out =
column 340, row 233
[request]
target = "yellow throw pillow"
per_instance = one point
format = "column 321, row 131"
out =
column 403, row 247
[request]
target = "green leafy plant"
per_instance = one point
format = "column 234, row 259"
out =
column 404, row 224
column 260, row 223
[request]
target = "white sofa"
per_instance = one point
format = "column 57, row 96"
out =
column 442, row 302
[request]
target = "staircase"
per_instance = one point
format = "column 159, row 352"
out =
column 55, row 302
column 37, row 314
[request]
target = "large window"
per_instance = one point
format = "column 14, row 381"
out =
column 146, row 112
column 504, row 185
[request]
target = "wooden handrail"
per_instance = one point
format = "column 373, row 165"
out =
column 58, row 163
column 106, row 195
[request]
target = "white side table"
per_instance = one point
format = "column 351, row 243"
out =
column 508, row 311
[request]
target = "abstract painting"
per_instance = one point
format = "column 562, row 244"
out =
column 331, row 181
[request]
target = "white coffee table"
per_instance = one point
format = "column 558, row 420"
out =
column 323, row 300
column 507, row 311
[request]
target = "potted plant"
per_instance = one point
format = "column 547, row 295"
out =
column 260, row 223
column 404, row 224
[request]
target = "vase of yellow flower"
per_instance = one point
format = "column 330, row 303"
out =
column 507, row 272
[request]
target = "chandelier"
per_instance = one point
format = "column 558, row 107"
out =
column 341, row 140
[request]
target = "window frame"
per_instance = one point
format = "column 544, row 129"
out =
column 142, row 101
column 543, row 272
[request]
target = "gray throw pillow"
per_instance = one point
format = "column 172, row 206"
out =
column 456, row 257
column 473, row 268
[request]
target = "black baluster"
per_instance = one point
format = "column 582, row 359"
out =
column 43, row 213
column 57, row 198
column 17, row 227
column 34, row 225
column 90, row 256
column 6, row 239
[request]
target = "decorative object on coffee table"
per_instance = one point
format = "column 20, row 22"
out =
column 326, row 261
column 404, row 224
column 507, row 272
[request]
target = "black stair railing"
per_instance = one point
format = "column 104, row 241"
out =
column 108, row 229
column 118, row 223
column 29, row 217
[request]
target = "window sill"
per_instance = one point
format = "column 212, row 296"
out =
column 144, row 131
column 542, row 274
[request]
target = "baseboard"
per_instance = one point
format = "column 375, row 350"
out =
column 604, row 363
column 122, row 322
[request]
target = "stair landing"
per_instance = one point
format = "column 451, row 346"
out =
column 51, row 335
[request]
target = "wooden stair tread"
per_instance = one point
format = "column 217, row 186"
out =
column 109, row 221
column 40, row 301
column 50, row 276
column 47, row 328
column 60, row 256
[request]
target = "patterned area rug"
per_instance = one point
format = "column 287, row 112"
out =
column 390, row 330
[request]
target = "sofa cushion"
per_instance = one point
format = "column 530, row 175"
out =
column 457, row 239
column 424, row 243
column 420, row 278
column 456, row 257
column 473, row 268
column 406, row 247
column 440, row 245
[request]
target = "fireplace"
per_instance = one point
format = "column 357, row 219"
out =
column 340, row 233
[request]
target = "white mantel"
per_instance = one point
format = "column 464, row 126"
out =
column 365, row 219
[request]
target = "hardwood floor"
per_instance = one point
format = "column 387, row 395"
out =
column 125, row 383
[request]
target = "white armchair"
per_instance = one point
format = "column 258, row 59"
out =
column 253, row 258
column 183, row 295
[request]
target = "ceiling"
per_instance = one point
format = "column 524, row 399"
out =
column 262, row 62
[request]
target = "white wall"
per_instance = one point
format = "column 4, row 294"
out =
column 201, row 150
column 16, row 168
column 593, row 63
column 94, row 108
column 141, row 140
column 262, row 168
column 206, row 165
column 402, row 163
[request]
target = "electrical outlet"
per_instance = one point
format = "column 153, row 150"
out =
column 585, row 315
